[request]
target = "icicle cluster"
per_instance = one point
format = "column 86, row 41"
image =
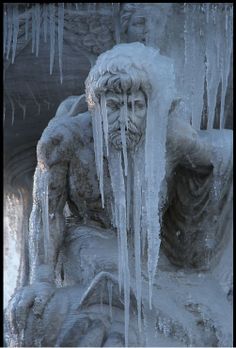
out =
column 37, row 19
column 208, row 49
column 136, row 177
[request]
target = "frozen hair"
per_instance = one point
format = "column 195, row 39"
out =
column 118, row 70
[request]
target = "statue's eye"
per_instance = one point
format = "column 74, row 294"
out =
column 112, row 105
column 139, row 105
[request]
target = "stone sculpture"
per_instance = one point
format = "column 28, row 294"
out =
column 111, row 184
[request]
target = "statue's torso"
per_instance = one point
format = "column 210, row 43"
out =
column 84, row 197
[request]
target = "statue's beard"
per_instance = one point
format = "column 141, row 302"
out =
column 132, row 134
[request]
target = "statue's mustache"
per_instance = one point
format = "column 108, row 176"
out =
column 133, row 135
column 132, row 128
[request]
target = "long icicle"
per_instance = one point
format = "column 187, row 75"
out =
column 33, row 27
column 37, row 26
column 45, row 21
column 9, row 28
column 52, row 35
column 118, row 188
column 137, row 229
column 5, row 20
column 60, row 36
column 104, row 122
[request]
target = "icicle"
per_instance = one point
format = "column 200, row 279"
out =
column 194, row 62
column 105, row 122
column 60, row 35
column 98, row 148
column 137, row 240
column 26, row 26
column 23, row 108
column 123, row 135
column 109, row 289
column 45, row 21
column 225, row 71
column 13, row 111
column 33, row 28
column 52, row 35
column 128, row 194
column 118, row 188
column 45, row 215
column 5, row 30
column 9, row 28
column 37, row 27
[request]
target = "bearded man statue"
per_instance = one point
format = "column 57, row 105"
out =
column 131, row 221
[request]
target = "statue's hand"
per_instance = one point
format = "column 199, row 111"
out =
column 181, row 137
column 34, row 297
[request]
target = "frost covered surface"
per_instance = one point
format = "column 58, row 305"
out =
column 13, row 215
column 160, row 72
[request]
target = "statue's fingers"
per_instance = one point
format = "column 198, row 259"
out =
column 41, row 302
column 11, row 311
column 23, row 307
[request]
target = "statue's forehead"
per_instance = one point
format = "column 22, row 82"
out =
column 110, row 95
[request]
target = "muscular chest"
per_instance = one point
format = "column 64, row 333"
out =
column 83, row 181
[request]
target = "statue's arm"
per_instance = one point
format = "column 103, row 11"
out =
column 49, row 198
column 194, row 149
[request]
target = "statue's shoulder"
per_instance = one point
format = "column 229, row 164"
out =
column 67, row 131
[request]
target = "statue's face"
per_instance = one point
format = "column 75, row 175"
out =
column 137, row 29
column 136, row 118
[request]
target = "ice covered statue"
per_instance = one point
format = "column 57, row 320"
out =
column 130, row 231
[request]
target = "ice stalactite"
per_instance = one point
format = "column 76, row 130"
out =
column 13, row 111
column 194, row 61
column 208, row 50
column 226, row 56
column 37, row 16
column 98, row 147
column 60, row 35
column 45, row 215
column 137, row 216
column 33, row 14
column 109, row 289
column 45, row 22
column 104, row 122
column 123, row 136
column 118, row 188
column 9, row 29
column 5, row 20
column 52, row 35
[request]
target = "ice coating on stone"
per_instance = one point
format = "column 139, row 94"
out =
column 15, row 31
column 45, row 21
column 52, row 35
column 60, row 35
column 37, row 11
